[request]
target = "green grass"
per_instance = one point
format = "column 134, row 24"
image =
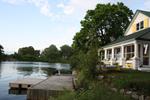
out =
column 97, row 92
column 122, row 79
column 132, row 80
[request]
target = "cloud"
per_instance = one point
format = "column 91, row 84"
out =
column 67, row 9
column 81, row 6
column 77, row 5
column 43, row 5
column 13, row 2
column 75, row 8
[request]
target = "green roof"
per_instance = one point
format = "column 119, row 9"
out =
column 147, row 13
column 134, row 36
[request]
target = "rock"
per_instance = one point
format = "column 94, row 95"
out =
column 114, row 89
column 101, row 77
column 112, row 76
column 135, row 96
column 141, row 97
column 122, row 91
column 128, row 92
column 147, row 98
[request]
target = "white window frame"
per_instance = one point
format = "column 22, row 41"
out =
column 140, row 25
column 102, row 54
column 117, row 55
column 129, row 53
column 109, row 54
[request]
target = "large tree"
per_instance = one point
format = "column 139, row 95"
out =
column 66, row 51
column 50, row 54
column 102, row 25
column 28, row 54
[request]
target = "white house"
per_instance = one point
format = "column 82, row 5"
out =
column 132, row 50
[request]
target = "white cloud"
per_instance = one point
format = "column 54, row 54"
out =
column 77, row 5
column 81, row 6
column 75, row 8
column 43, row 5
column 69, row 7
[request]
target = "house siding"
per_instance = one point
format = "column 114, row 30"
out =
column 140, row 17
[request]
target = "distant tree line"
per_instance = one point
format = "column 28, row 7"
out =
column 1, row 52
column 50, row 54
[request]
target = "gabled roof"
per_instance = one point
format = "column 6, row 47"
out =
column 134, row 36
column 147, row 13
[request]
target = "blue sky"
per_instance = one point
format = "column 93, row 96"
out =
column 40, row 23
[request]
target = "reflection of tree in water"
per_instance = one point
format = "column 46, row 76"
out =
column 49, row 71
column 65, row 71
column 0, row 69
column 25, row 70
column 52, row 71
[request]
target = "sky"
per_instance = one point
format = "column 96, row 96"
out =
column 40, row 23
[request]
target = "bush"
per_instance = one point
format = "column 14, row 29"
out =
column 87, row 70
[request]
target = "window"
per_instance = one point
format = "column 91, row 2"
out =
column 145, row 54
column 102, row 55
column 140, row 25
column 137, row 26
column 117, row 53
column 129, row 52
column 109, row 54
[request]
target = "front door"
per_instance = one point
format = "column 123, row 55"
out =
column 146, row 55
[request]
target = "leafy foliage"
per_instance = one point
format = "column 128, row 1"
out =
column 85, row 64
column 1, row 52
column 102, row 25
column 27, row 54
column 50, row 54
column 66, row 51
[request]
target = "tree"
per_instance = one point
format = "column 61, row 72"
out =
column 102, row 25
column 51, row 54
column 1, row 52
column 66, row 51
column 28, row 54
column 85, row 65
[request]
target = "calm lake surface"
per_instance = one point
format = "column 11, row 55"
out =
column 10, row 71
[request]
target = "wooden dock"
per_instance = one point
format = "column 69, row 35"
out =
column 52, row 86
column 42, row 89
column 24, row 83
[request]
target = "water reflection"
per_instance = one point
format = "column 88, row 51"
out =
column 17, row 91
column 26, row 71
column 0, row 70
column 49, row 71
column 10, row 71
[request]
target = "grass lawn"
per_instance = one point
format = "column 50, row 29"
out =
column 121, row 79
column 131, row 80
column 97, row 92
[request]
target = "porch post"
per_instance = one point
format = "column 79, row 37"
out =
column 112, row 56
column 136, row 61
column 136, row 50
column 105, row 54
column 122, row 56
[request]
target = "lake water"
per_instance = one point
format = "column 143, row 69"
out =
column 10, row 71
